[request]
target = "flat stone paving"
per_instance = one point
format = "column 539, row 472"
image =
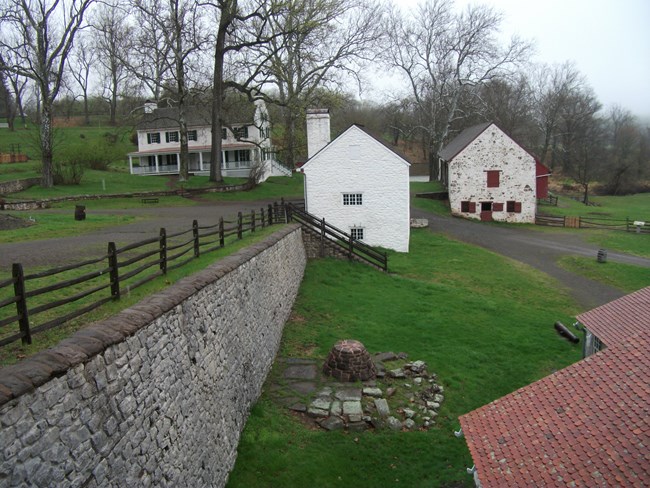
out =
column 405, row 396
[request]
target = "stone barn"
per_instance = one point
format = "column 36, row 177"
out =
column 357, row 183
column 491, row 177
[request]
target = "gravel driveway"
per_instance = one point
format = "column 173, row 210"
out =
column 538, row 249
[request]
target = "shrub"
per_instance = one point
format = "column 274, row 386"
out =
column 67, row 172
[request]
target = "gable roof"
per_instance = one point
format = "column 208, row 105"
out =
column 616, row 321
column 460, row 142
column 237, row 111
column 367, row 133
column 585, row 425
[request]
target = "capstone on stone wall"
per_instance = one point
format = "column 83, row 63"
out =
column 159, row 394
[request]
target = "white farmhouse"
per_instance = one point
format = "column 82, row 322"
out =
column 491, row 177
column 245, row 143
column 357, row 184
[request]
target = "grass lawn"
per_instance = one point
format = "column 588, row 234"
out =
column 484, row 334
column 426, row 204
column 623, row 276
column 49, row 225
column 634, row 207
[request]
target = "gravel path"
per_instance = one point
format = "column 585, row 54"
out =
column 538, row 249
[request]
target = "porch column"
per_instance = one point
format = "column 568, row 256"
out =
column 200, row 160
column 178, row 161
column 156, row 156
column 130, row 164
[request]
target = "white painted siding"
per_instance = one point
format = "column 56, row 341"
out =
column 493, row 150
column 380, row 175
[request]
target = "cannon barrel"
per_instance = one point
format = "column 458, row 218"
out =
column 564, row 332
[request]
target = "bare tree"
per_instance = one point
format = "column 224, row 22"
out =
column 41, row 34
column 443, row 56
column 553, row 88
column 179, row 32
column 7, row 97
column 583, row 139
column 112, row 45
column 82, row 63
column 319, row 44
column 625, row 146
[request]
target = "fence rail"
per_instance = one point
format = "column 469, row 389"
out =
column 627, row 225
column 40, row 301
column 346, row 243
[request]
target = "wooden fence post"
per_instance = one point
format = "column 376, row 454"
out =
column 114, row 274
column 270, row 214
column 275, row 212
column 283, row 209
column 262, row 217
column 195, row 233
column 252, row 220
column 163, row 250
column 322, row 238
column 239, row 225
column 221, row 236
column 350, row 247
column 21, row 303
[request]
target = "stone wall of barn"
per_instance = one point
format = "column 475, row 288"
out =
column 493, row 150
column 157, row 395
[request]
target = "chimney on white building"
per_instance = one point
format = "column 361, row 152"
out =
column 150, row 106
column 318, row 130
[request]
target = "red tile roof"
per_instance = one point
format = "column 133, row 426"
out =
column 613, row 322
column 586, row 425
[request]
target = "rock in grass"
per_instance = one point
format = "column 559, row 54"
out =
column 394, row 424
column 332, row 423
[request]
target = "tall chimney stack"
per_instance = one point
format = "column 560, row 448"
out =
column 318, row 130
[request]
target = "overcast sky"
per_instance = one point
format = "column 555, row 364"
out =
column 609, row 41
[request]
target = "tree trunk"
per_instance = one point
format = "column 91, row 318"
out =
column 86, row 113
column 46, row 140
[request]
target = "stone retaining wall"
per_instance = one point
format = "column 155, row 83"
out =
column 18, row 185
column 157, row 395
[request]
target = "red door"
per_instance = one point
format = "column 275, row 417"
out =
column 486, row 211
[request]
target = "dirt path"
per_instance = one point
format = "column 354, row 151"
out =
column 538, row 249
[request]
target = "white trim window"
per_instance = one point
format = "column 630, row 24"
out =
column 357, row 233
column 153, row 137
column 352, row 199
column 192, row 135
column 171, row 136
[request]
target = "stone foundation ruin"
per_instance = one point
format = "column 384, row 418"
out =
column 349, row 361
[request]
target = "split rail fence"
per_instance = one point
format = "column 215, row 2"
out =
column 40, row 301
column 594, row 223
column 347, row 245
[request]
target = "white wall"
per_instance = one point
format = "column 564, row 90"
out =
column 356, row 163
column 493, row 150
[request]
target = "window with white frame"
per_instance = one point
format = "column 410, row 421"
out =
column 352, row 199
column 240, row 132
column 192, row 135
column 357, row 233
column 171, row 136
column 153, row 138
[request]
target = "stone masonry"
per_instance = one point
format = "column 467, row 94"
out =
column 157, row 395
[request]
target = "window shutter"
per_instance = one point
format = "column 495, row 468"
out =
column 148, row 138
column 517, row 207
column 472, row 207
column 497, row 207
column 493, row 179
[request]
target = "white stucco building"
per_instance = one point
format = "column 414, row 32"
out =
column 245, row 143
column 491, row 177
column 357, row 184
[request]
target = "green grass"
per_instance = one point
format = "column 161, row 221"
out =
column 634, row 207
column 627, row 242
column 434, row 206
column 484, row 334
column 49, row 225
column 16, row 351
column 274, row 188
column 626, row 277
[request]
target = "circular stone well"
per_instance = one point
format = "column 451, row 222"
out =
column 349, row 361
